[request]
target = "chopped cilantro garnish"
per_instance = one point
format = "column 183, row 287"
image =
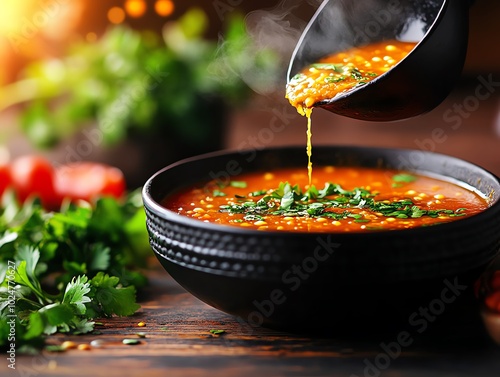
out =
column 258, row 193
column 334, row 79
column 238, row 184
column 404, row 178
column 217, row 193
column 336, row 67
column 252, row 217
column 356, row 74
column 298, row 77
column 333, row 202
column 217, row 332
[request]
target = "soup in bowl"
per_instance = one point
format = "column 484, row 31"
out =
column 377, row 235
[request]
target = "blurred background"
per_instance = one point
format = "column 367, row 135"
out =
column 142, row 83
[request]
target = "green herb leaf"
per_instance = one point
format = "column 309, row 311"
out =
column 335, row 79
column 356, row 74
column 238, row 184
column 404, row 178
column 258, row 193
column 287, row 199
column 112, row 299
column 298, row 77
column 76, row 292
column 26, row 278
column 47, row 319
column 217, row 332
column 329, row 66
column 218, row 193
column 253, row 217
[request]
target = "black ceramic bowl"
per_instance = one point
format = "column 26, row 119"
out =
column 329, row 280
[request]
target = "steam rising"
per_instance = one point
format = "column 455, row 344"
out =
column 274, row 33
column 278, row 28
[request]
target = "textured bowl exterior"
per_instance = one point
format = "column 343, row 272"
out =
column 284, row 279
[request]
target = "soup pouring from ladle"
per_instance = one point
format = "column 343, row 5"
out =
column 415, row 85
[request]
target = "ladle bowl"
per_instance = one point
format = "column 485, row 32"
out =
column 419, row 82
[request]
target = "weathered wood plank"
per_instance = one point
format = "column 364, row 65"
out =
column 178, row 342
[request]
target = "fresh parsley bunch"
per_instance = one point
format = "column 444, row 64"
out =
column 60, row 270
column 132, row 83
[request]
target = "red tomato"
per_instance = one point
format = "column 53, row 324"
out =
column 492, row 301
column 34, row 176
column 495, row 281
column 5, row 179
column 89, row 180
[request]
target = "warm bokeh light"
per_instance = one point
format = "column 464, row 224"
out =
column 91, row 37
column 12, row 13
column 135, row 8
column 164, row 7
column 11, row 32
column 34, row 29
column 116, row 15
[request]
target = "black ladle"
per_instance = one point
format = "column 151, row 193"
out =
column 419, row 82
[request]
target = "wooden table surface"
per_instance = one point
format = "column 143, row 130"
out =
column 178, row 342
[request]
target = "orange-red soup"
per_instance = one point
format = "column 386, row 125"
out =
column 343, row 199
column 344, row 71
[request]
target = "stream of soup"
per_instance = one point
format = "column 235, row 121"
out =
column 339, row 73
column 351, row 200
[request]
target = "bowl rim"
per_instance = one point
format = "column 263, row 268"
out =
column 154, row 206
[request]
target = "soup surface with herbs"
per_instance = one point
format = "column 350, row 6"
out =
column 340, row 199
